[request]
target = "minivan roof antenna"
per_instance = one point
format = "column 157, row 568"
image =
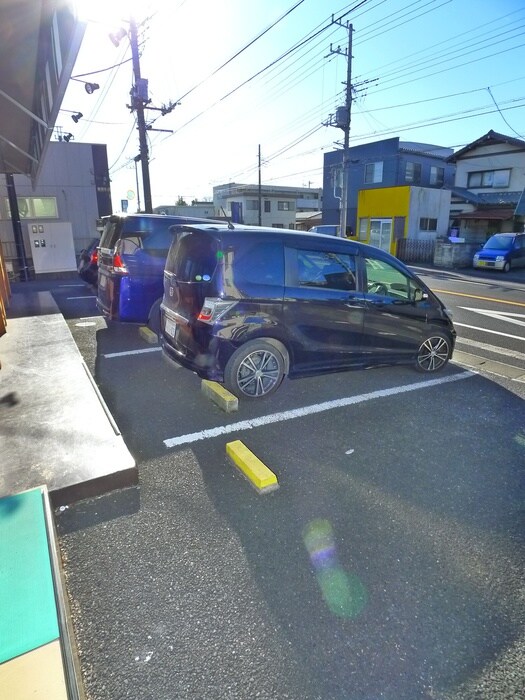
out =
column 230, row 225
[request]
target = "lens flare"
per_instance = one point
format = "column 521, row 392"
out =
column 520, row 438
column 344, row 594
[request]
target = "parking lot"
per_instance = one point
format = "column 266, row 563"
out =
column 388, row 564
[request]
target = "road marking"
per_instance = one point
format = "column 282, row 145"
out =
column 486, row 330
column 475, row 296
column 83, row 297
column 109, row 355
column 309, row 410
column 491, row 348
column 499, row 315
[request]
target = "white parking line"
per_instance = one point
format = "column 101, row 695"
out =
column 82, row 297
column 486, row 330
column 131, row 352
column 309, row 410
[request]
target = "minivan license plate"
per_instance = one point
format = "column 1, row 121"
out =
column 170, row 328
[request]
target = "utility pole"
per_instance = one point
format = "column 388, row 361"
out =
column 342, row 121
column 139, row 98
column 260, row 190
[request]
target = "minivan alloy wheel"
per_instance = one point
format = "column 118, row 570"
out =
column 255, row 370
column 433, row 353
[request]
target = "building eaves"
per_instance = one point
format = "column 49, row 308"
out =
column 466, row 195
column 425, row 149
column 499, row 198
column 491, row 137
column 488, row 214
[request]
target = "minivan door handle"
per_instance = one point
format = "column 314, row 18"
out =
column 355, row 302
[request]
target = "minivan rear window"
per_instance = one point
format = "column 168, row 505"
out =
column 150, row 235
column 110, row 234
column 193, row 258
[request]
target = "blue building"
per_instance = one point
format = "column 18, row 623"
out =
column 387, row 163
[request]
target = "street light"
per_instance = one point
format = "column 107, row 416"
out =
column 88, row 87
column 116, row 37
column 91, row 87
column 75, row 116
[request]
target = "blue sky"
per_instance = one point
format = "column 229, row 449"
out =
column 436, row 71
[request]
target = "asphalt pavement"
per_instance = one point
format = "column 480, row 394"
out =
column 388, row 564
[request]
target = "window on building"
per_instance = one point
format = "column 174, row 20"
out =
column 285, row 206
column 267, row 206
column 489, row 178
column 363, row 229
column 35, row 208
column 426, row 224
column 373, row 172
column 437, row 176
column 413, row 173
column 252, row 205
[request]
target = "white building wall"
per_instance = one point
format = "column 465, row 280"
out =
column 430, row 203
column 493, row 157
column 66, row 174
column 295, row 198
column 275, row 218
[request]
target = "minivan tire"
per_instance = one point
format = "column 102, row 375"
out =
column 255, row 370
column 506, row 267
column 154, row 317
column 434, row 353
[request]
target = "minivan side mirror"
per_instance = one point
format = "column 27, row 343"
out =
column 420, row 295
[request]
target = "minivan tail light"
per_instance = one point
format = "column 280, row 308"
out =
column 94, row 257
column 119, row 265
column 213, row 309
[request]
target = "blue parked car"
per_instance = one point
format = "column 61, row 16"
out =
column 501, row 252
column 131, row 258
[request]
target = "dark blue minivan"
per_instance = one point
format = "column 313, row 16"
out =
column 247, row 307
column 131, row 258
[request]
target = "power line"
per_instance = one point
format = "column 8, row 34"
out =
column 501, row 114
column 395, row 76
column 243, row 49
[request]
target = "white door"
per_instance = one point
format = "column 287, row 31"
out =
column 52, row 247
column 381, row 233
